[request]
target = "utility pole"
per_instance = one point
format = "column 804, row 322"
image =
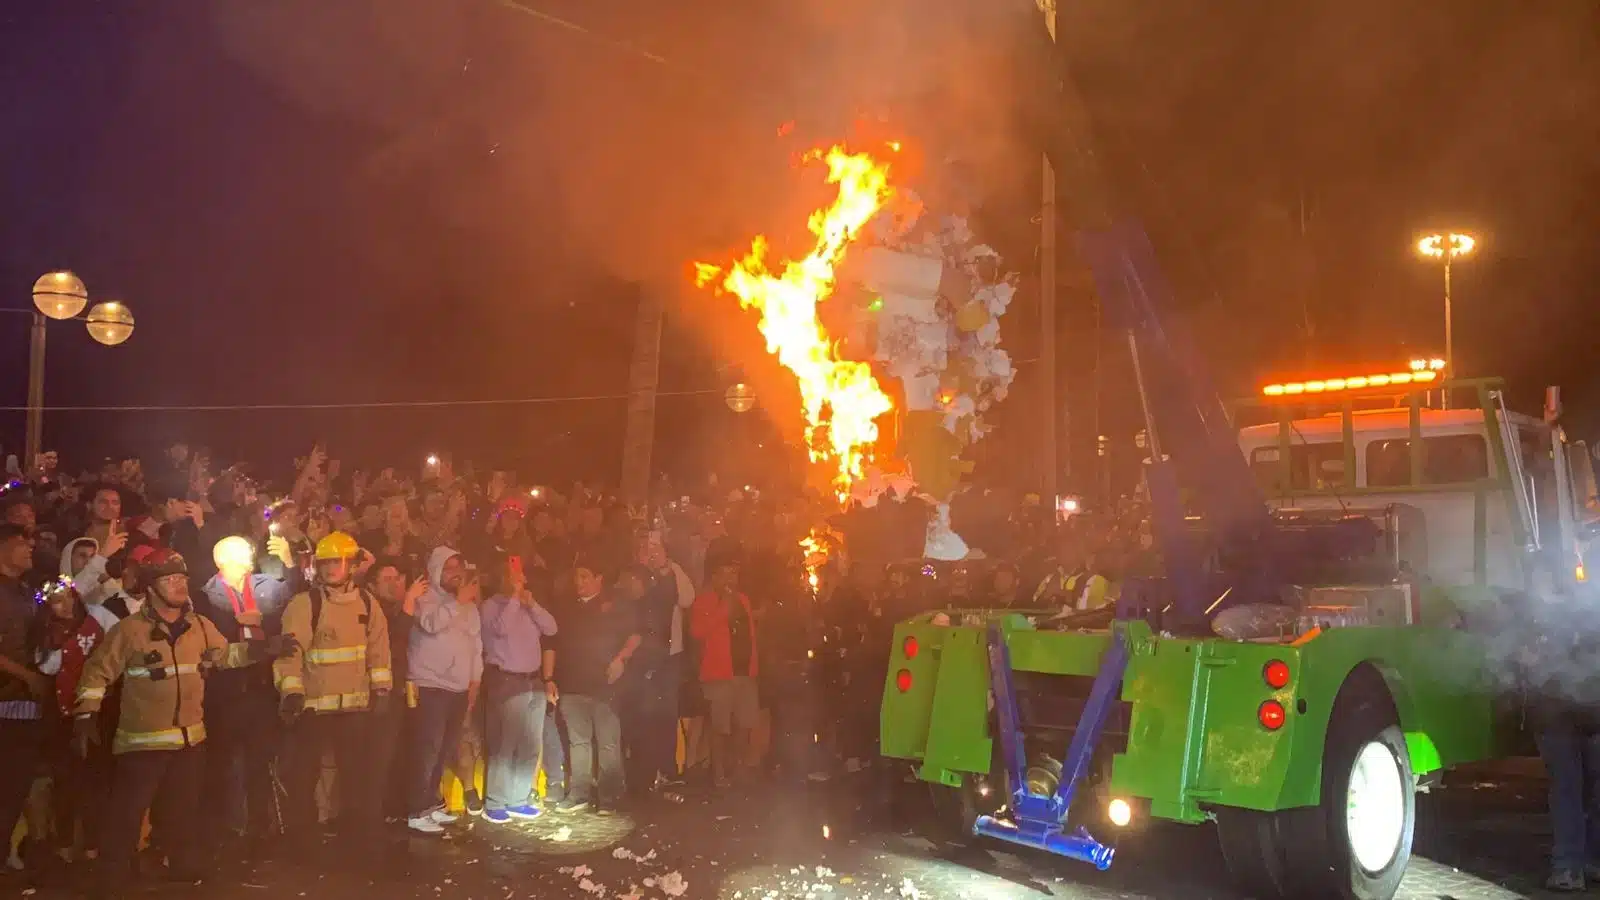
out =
column 1048, row 301
column 33, row 437
column 644, row 379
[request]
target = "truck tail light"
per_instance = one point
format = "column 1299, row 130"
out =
column 1270, row 714
column 909, row 646
column 1276, row 674
column 902, row 681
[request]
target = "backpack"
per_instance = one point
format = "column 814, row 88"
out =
column 316, row 608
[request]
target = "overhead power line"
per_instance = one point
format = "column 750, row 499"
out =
column 569, row 25
column 382, row 404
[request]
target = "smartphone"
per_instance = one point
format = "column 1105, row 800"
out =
column 515, row 563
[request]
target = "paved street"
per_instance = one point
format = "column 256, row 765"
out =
column 1481, row 837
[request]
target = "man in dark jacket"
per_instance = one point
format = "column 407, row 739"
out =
column 387, row 581
column 21, row 684
column 599, row 634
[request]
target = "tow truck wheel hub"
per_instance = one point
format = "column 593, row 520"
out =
column 1375, row 810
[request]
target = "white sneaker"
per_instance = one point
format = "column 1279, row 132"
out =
column 424, row 825
column 442, row 816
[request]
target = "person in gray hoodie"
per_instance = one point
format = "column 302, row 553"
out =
column 84, row 563
column 445, row 665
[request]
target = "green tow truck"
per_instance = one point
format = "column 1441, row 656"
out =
column 1312, row 657
column 1341, row 561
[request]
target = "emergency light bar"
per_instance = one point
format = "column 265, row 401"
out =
column 1354, row 383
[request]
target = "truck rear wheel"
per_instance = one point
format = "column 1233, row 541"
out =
column 956, row 809
column 1355, row 844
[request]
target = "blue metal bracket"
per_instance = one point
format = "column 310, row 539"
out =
column 1037, row 820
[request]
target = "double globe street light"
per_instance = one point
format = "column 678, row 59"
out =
column 62, row 296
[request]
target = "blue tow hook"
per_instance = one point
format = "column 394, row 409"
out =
column 1040, row 821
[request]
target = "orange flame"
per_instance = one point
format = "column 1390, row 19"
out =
column 841, row 398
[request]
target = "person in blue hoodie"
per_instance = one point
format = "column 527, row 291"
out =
column 245, row 599
column 445, row 666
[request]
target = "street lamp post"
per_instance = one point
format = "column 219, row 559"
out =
column 1446, row 247
column 61, row 296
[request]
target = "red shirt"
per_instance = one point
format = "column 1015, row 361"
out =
column 709, row 625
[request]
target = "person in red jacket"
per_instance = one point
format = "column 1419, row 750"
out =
column 67, row 632
column 724, row 624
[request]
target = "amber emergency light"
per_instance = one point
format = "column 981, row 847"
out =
column 1422, row 371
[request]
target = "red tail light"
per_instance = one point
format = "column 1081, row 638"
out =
column 1276, row 674
column 902, row 680
column 1271, row 715
column 910, row 646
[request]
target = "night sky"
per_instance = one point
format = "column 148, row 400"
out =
column 379, row 200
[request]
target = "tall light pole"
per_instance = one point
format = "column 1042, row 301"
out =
column 1446, row 247
column 1047, row 298
column 61, row 296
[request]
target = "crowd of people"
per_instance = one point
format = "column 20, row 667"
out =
column 182, row 653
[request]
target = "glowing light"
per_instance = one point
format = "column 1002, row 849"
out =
column 826, row 833
column 909, row 647
column 1452, row 245
column 1119, row 812
column 1357, row 382
column 1421, row 365
column 841, row 398
column 816, row 555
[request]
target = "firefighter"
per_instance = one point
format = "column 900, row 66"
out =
column 335, row 673
column 161, row 654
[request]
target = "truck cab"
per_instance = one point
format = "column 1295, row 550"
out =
column 1487, row 489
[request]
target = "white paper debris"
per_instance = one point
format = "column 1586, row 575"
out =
column 672, row 884
column 909, row 890
column 563, row 834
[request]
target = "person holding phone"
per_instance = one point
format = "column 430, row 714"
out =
column 445, row 666
column 519, row 682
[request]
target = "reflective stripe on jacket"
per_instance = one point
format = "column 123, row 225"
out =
column 162, row 667
column 338, row 660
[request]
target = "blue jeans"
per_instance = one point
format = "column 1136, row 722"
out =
column 436, row 726
column 594, row 734
column 514, row 729
column 245, row 738
column 1572, row 760
column 554, row 758
column 650, row 726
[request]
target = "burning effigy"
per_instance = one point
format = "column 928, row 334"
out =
column 925, row 295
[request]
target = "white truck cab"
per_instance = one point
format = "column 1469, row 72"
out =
column 1476, row 507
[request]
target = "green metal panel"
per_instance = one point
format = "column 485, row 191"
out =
column 1194, row 737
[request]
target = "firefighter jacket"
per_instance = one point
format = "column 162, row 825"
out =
column 162, row 666
column 341, row 651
